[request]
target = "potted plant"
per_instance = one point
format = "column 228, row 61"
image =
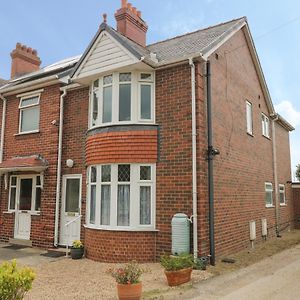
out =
column 178, row 269
column 77, row 249
column 128, row 281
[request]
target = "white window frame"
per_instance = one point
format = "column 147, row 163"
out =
column 282, row 191
column 18, row 186
column 269, row 190
column 23, row 108
column 249, row 117
column 265, row 121
column 135, row 99
column 135, row 184
column 149, row 82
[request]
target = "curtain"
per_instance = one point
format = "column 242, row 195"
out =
column 93, row 204
column 145, row 205
column 123, row 205
column 105, row 205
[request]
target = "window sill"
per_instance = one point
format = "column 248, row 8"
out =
column 270, row 206
column 283, row 205
column 266, row 137
column 28, row 132
column 250, row 134
column 122, row 124
column 8, row 212
column 121, row 229
column 32, row 213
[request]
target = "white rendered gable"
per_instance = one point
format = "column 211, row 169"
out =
column 105, row 55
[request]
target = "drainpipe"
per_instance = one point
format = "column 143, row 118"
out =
column 194, row 159
column 211, row 153
column 59, row 156
column 2, row 127
column 277, row 216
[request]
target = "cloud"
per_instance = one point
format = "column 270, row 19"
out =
column 287, row 110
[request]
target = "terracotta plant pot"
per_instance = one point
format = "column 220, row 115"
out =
column 77, row 253
column 178, row 277
column 129, row 291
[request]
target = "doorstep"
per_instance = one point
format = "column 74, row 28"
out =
column 13, row 241
column 58, row 250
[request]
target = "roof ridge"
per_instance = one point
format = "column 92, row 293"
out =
column 192, row 32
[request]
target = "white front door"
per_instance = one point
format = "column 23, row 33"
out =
column 70, row 220
column 23, row 208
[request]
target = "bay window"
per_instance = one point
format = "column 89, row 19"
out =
column 121, row 197
column 122, row 98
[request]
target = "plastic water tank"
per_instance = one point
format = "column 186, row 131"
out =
column 180, row 234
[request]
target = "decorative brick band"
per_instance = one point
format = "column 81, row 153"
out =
column 121, row 146
column 119, row 246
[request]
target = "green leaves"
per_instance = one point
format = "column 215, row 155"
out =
column 14, row 282
column 175, row 263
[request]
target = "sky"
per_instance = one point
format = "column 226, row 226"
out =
column 63, row 28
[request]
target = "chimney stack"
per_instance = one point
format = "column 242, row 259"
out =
column 130, row 23
column 24, row 60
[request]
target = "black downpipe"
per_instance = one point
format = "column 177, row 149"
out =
column 211, row 152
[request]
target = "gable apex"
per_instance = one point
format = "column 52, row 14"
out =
column 105, row 52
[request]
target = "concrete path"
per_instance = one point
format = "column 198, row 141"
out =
column 276, row 278
column 25, row 256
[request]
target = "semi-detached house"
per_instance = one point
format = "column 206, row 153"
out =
column 108, row 146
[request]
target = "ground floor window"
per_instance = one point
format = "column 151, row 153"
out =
column 25, row 193
column 121, row 196
column 282, row 194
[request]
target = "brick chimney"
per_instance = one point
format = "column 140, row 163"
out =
column 130, row 23
column 24, row 60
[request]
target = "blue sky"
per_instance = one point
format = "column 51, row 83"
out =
column 63, row 28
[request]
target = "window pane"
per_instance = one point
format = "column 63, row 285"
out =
column 145, row 173
column 96, row 83
column 106, row 173
column 123, row 173
column 146, row 101
column 146, row 76
column 249, row 117
column 107, row 104
column 269, row 200
column 38, row 180
column 125, row 77
column 30, row 119
column 25, row 194
column 105, row 205
column 72, row 195
column 12, row 204
column 123, row 205
column 281, row 198
column 93, row 204
column 145, row 205
column 93, row 174
column 38, row 199
column 29, row 101
column 107, row 80
column 13, row 180
column 95, row 109
column 124, row 102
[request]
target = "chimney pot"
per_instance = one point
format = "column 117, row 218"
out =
column 139, row 14
column 129, row 6
column 134, row 10
column 24, row 60
column 124, row 3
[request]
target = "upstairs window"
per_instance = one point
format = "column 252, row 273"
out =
column 122, row 98
column 29, row 114
column 282, row 194
column 269, row 194
column 265, row 125
column 249, row 121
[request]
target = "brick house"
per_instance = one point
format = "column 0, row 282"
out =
column 108, row 146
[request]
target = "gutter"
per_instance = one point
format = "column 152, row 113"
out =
column 2, row 127
column 277, row 204
column 59, row 157
column 194, row 160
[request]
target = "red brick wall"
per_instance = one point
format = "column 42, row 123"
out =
column 246, row 162
column 296, row 201
column 44, row 143
column 120, row 246
column 74, row 136
column 131, row 146
column 174, row 167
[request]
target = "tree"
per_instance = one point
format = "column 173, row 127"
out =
column 298, row 172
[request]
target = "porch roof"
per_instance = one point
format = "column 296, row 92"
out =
column 34, row 163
